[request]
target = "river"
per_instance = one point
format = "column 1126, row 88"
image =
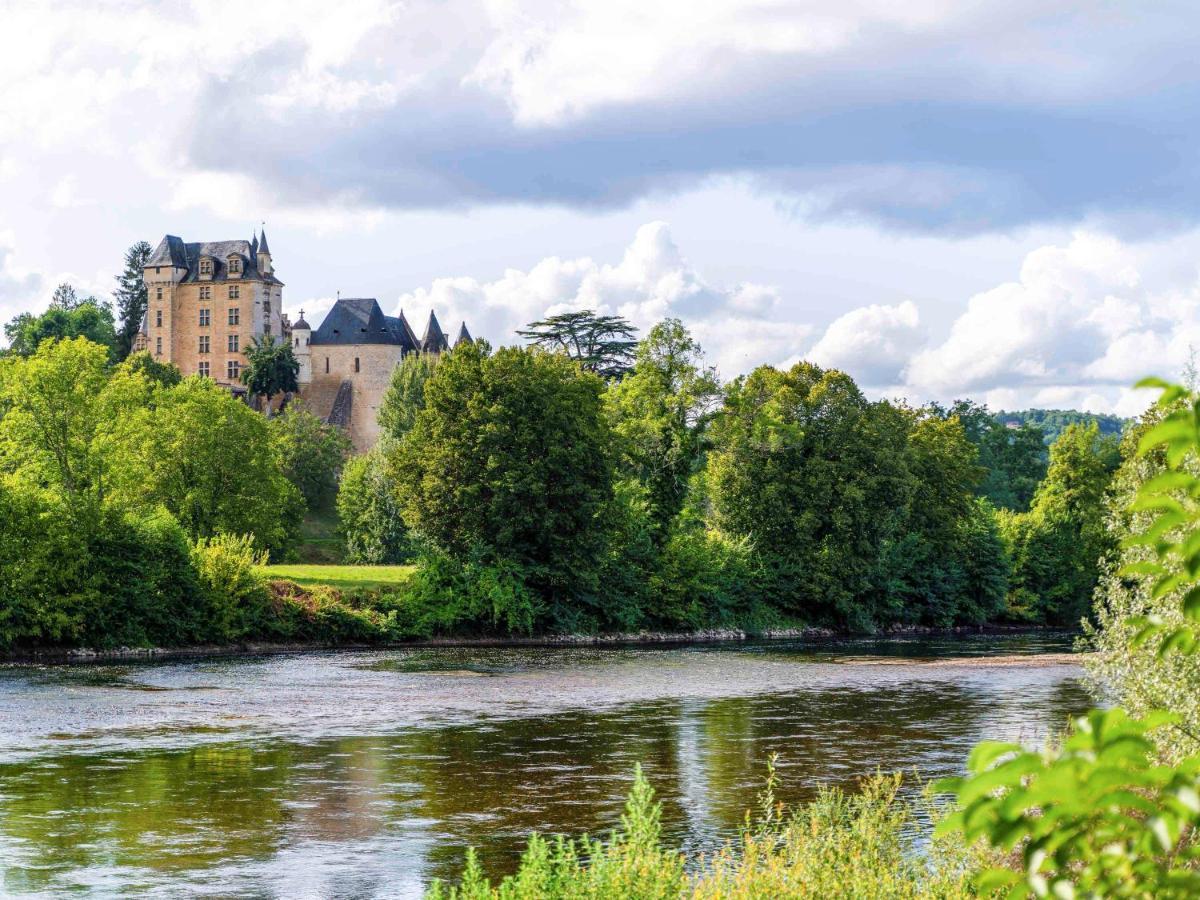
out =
column 365, row 774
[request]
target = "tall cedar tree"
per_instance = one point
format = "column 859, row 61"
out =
column 131, row 297
column 602, row 344
column 271, row 368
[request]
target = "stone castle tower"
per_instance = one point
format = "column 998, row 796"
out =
column 346, row 364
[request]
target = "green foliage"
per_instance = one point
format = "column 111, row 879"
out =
column 1053, row 422
column 1100, row 815
column 1058, row 545
column 68, row 317
column 600, row 344
column 131, row 297
column 659, row 414
column 836, row 846
column 446, row 595
column 235, row 595
column 311, row 454
column 271, row 368
column 405, row 396
column 1095, row 817
column 210, row 460
column 1013, row 457
column 369, row 515
column 162, row 374
column 510, row 462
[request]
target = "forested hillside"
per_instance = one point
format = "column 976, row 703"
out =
column 1053, row 422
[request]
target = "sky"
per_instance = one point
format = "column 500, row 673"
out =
column 944, row 198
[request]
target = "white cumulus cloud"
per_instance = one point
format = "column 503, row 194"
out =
column 740, row 326
column 872, row 343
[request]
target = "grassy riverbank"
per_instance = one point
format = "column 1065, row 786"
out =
column 343, row 578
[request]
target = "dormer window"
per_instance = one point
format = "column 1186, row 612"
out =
column 206, row 267
column 235, row 265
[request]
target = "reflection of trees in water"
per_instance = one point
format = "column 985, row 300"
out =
column 161, row 811
column 418, row 799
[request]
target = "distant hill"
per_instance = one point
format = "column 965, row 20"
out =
column 1054, row 421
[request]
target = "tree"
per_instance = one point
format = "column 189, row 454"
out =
column 209, row 460
column 510, row 461
column 1058, row 545
column 369, row 515
column 131, row 297
column 164, row 374
column 311, row 453
column 405, row 396
column 67, row 317
column 659, row 414
column 52, row 416
column 602, row 344
column 815, row 475
column 271, row 368
column 1013, row 456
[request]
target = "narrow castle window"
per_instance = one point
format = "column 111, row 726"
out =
column 205, row 293
column 158, row 293
column 235, row 265
column 356, row 367
column 205, row 316
column 234, row 292
column 158, row 319
column 235, row 315
column 204, row 343
column 206, row 267
column 158, row 346
column 327, row 365
column 202, row 370
column 233, row 370
column 233, row 343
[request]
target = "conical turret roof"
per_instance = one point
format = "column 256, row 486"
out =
column 463, row 334
column 434, row 340
column 262, row 244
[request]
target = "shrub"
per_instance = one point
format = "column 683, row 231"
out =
column 235, row 595
column 837, row 846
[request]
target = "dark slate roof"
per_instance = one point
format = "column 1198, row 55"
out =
column 359, row 320
column 463, row 334
column 434, row 340
column 300, row 323
column 172, row 251
column 262, row 244
column 254, row 245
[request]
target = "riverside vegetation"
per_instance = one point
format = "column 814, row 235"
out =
column 1110, row 809
column 528, row 493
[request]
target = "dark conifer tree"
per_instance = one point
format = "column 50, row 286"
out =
column 131, row 297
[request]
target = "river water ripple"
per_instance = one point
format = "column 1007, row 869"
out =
column 366, row 774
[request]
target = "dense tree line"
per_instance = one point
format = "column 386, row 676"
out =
column 122, row 485
column 537, row 489
column 537, row 494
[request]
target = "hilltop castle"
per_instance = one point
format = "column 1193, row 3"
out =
column 207, row 300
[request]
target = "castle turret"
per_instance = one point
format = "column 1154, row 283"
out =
column 264, row 255
column 301, row 338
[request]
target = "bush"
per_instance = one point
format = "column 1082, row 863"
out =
column 235, row 596
column 837, row 846
column 445, row 596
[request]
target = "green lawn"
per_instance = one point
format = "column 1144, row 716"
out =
column 341, row 577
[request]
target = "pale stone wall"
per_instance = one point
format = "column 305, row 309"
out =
column 369, row 382
column 180, row 331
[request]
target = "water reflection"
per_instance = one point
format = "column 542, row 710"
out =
column 300, row 813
